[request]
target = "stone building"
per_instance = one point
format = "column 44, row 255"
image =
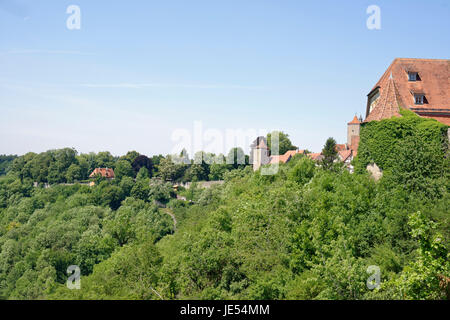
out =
column 259, row 153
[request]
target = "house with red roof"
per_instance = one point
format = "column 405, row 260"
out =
column 346, row 152
column 420, row 85
column 107, row 173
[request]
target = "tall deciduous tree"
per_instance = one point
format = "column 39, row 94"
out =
column 143, row 162
column 123, row 169
column 284, row 142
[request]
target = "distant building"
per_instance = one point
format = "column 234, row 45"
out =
column 284, row 158
column 346, row 152
column 420, row 85
column 107, row 173
column 259, row 154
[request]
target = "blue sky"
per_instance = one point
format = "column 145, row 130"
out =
column 137, row 71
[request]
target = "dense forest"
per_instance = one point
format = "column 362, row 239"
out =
column 309, row 232
column 5, row 163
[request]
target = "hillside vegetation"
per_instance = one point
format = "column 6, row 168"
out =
column 305, row 233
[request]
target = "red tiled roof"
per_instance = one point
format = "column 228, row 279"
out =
column 282, row 158
column 443, row 119
column 285, row 157
column 294, row 152
column 345, row 154
column 340, row 147
column 355, row 121
column 274, row 159
column 388, row 104
column 397, row 91
column 104, row 172
column 315, row 156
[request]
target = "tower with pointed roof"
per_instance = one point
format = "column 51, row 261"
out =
column 259, row 153
column 353, row 129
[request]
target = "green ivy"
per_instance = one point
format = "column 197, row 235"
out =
column 409, row 149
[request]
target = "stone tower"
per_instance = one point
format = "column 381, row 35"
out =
column 259, row 153
column 353, row 128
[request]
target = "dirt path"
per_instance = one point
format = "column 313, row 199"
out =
column 170, row 213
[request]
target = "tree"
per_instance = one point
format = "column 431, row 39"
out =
column 73, row 173
column 217, row 171
column 143, row 174
column 169, row 170
column 141, row 190
column 329, row 153
column 130, row 156
column 84, row 167
column 236, row 158
column 5, row 163
column 121, row 227
column 161, row 191
column 110, row 195
column 104, row 160
column 91, row 161
column 64, row 158
column 143, row 162
column 422, row 278
column 284, row 143
column 196, row 172
column 123, row 169
column 126, row 184
column 303, row 170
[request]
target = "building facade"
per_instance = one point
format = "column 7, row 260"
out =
column 420, row 85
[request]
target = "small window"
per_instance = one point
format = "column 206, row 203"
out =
column 412, row 76
column 419, row 98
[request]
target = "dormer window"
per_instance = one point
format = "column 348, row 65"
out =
column 413, row 76
column 419, row 99
column 373, row 96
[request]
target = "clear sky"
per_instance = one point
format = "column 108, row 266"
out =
column 137, row 71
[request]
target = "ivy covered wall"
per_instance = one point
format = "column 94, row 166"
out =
column 409, row 149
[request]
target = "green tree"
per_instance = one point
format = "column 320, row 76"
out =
column 126, row 184
column 236, row 158
column 143, row 174
column 143, row 162
column 161, row 191
column 104, row 160
column 123, row 169
column 284, row 143
column 168, row 170
column 141, row 190
column 73, row 173
column 329, row 153
column 421, row 279
column 130, row 156
column 303, row 170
